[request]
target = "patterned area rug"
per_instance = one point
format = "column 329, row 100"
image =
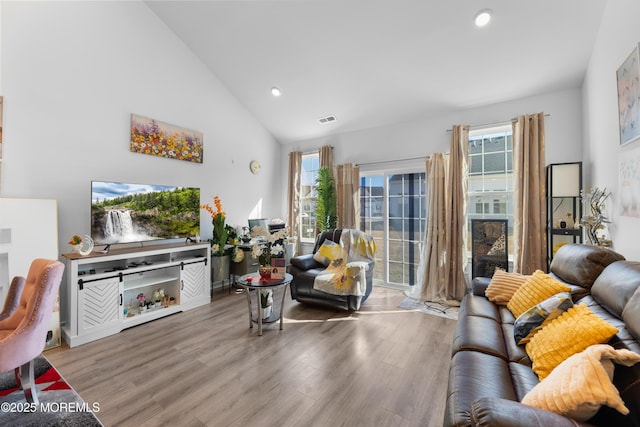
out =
column 59, row 404
column 432, row 308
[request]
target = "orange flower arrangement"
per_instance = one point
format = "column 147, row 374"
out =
column 75, row 240
column 220, row 232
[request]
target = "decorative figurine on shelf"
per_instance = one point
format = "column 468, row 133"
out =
column 576, row 224
column 595, row 220
column 569, row 220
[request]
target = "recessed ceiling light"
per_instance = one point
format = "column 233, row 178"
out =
column 483, row 17
column 275, row 91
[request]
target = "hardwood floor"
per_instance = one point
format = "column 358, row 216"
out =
column 381, row 366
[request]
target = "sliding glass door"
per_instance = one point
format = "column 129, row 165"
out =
column 392, row 209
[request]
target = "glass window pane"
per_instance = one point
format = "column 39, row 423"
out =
column 412, row 229
column 494, row 144
column 412, row 206
column 395, row 185
column 395, row 229
column 395, row 250
column 494, row 163
column 475, row 145
column 395, row 272
column 476, row 165
column 395, row 207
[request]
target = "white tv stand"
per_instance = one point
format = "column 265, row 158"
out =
column 101, row 287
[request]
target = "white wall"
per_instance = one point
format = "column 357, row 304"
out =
column 72, row 74
column 563, row 130
column 619, row 34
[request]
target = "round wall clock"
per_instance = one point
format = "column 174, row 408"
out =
column 254, row 166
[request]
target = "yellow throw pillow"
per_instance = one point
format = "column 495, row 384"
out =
column 328, row 252
column 503, row 285
column 568, row 334
column 581, row 384
column 536, row 289
column 539, row 316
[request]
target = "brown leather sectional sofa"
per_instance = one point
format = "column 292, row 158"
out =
column 490, row 374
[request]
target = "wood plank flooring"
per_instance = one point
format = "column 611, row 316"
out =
column 381, row 366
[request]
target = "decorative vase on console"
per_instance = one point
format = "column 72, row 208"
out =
column 76, row 243
column 219, row 256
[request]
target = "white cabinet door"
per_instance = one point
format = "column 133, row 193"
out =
column 99, row 305
column 192, row 282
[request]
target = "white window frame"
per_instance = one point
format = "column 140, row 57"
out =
column 492, row 196
column 310, row 180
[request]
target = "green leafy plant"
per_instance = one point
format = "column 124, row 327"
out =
column 326, row 209
column 266, row 298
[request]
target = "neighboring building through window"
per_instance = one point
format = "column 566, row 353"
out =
column 308, row 196
column 490, row 187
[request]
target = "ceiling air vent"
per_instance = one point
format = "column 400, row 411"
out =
column 327, row 119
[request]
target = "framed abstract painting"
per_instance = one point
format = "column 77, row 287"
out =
column 629, row 97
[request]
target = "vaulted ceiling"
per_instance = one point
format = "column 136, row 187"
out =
column 377, row 62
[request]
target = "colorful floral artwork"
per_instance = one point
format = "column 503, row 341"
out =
column 149, row 136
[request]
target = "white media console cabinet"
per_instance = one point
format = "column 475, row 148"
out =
column 99, row 298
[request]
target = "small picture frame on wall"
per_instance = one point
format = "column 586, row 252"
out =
column 628, row 76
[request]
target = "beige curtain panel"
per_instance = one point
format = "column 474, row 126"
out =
column 326, row 156
column 444, row 258
column 293, row 197
column 530, row 240
column 431, row 277
column 348, row 194
column 457, row 213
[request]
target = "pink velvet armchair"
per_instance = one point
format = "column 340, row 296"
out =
column 12, row 300
column 24, row 325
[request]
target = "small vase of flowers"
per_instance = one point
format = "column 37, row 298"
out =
column 75, row 242
column 268, row 245
column 142, row 301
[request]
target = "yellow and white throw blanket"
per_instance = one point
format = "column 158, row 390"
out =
column 347, row 272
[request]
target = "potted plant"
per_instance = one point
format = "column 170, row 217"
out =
column 142, row 299
column 268, row 245
column 158, row 294
column 326, row 208
column 75, row 243
column 266, row 302
column 220, row 258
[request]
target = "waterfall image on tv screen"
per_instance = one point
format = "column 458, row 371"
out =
column 123, row 213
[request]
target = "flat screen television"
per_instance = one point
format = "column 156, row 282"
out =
column 124, row 213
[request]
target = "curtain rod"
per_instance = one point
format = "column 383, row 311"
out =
column 513, row 120
column 393, row 161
